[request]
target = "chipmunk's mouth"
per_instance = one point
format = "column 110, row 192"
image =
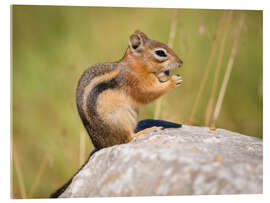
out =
column 164, row 76
column 168, row 71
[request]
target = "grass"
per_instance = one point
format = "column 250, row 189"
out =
column 52, row 46
column 228, row 71
column 209, row 109
column 17, row 167
column 39, row 175
column 207, row 70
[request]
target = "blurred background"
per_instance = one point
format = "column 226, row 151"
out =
column 53, row 45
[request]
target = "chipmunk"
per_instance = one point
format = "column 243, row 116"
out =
column 109, row 95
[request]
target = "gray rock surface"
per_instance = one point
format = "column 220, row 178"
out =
column 186, row 161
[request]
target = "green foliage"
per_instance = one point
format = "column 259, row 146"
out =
column 51, row 46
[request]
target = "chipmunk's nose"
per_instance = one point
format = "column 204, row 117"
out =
column 180, row 63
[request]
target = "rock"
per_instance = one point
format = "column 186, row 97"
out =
column 185, row 161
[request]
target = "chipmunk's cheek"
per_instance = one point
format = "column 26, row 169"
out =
column 163, row 73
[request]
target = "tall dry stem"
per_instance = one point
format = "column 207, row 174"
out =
column 170, row 44
column 210, row 105
column 19, row 174
column 39, row 174
column 82, row 147
column 228, row 72
column 207, row 69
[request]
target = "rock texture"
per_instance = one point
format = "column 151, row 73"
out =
column 185, row 161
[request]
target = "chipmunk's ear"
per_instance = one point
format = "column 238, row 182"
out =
column 136, row 41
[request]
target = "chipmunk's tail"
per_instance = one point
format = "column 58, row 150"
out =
column 148, row 123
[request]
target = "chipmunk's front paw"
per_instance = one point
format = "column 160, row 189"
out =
column 177, row 79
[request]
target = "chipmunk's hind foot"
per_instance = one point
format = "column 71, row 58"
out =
column 148, row 123
column 147, row 130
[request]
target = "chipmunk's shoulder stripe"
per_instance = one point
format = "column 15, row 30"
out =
column 95, row 92
column 98, row 83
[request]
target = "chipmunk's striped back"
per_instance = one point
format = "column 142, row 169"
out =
column 92, row 83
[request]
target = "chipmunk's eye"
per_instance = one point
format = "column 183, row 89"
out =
column 160, row 53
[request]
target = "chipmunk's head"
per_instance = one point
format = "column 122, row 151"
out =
column 152, row 56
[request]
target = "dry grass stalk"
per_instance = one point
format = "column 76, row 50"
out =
column 219, row 62
column 228, row 71
column 19, row 174
column 170, row 44
column 82, row 147
column 260, row 92
column 40, row 172
column 207, row 69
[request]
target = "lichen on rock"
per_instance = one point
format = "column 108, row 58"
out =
column 185, row 161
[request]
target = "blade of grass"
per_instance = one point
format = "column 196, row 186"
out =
column 170, row 44
column 228, row 72
column 207, row 69
column 219, row 62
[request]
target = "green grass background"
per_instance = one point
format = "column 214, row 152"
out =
column 51, row 47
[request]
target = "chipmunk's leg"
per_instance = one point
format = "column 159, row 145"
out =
column 128, row 120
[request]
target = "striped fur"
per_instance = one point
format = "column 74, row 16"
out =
column 104, row 109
